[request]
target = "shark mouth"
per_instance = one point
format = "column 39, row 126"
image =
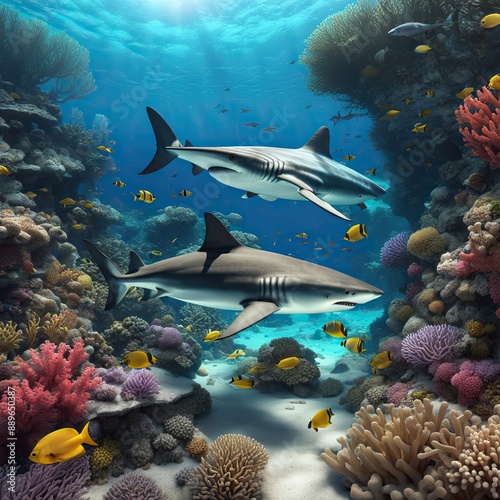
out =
column 346, row 304
column 222, row 169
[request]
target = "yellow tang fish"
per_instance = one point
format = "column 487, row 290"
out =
column 465, row 92
column 242, row 383
column 490, row 21
column 156, row 253
column 420, row 128
column 354, row 344
column 422, row 49
column 348, row 157
column 406, row 101
column 371, row 171
column 138, row 359
column 15, row 96
column 429, row 93
column 288, row 363
column 381, row 360
column 4, row 171
column 119, row 184
column 67, row 201
column 335, row 329
column 425, row 112
column 44, row 190
column 236, row 354
column 260, row 368
column 494, row 82
column 212, row 336
column 30, row 194
column 145, row 196
column 301, row 235
column 85, row 260
column 356, row 233
column 185, row 192
column 321, row 419
column 188, row 328
column 393, row 112
column 78, row 227
column 87, row 204
column 61, row 445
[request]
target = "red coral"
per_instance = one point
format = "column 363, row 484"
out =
column 482, row 115
column 53, row 391
column 477, row 261
column 494, row 286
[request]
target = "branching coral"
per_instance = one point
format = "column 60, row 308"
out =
column 389, row 454
column 479, row 118
column 10, row 337
column 234, row 469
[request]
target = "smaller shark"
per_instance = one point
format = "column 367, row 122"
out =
column 307, row 173
column 225, row 274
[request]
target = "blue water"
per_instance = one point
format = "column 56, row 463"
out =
column 191, row 59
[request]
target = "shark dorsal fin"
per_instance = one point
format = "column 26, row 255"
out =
column 319, row 142
column 217, row 237
column 135, row 263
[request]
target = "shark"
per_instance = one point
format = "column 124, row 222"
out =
column 225, row 274
column 307, row 173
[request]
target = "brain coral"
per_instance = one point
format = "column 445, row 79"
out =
column 426, row 243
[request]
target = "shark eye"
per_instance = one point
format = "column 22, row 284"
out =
column 232, row 157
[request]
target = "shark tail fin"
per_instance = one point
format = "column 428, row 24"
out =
column 117, row 288
column 165, row 138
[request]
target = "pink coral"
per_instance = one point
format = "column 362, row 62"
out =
column 54, row 387
column 469, row 387
column 396, row 393
column 445, row 372
column 480, row 120
column 494, row 288
column 414, row 270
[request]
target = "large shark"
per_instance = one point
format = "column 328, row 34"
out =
column 225, row 274
column 307, row 173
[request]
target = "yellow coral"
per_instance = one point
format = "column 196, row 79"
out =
column 426, row 296
column 480, row 349
column 426, row 243
column 475, row 328
column 198, row 448
column 57, row 326
column 104, row 455
column 85, row 280
column 404, row 313
column 436, row 307
column 10, row 338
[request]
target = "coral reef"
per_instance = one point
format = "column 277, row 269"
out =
column 62, row 480
column 135, row 485
column 234, row 468
column 140, row 384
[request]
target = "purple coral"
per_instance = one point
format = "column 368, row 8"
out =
column 394, row 252
column 135, row 485
column 115, row 375
column 430, row 344
column 171, row 338
column 139, row 384
column 62, row 480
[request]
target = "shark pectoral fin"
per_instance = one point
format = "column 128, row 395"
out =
column 267, row 198
column 196, row 169
column 293, row 180
column 309, row 195
column 153, row 293
column 249, row 194
column 253, row 312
